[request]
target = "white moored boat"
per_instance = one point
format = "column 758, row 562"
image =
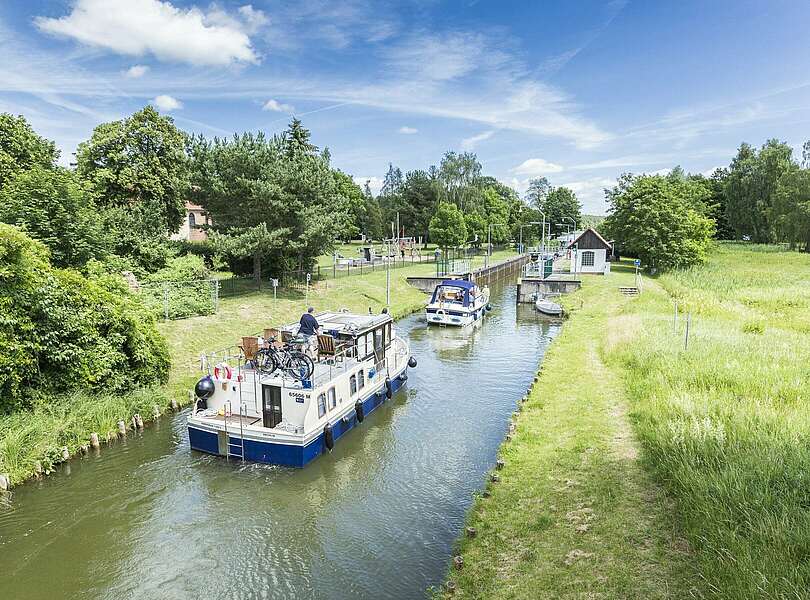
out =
column 245, row 412
column 547, row 307
column 457, row 302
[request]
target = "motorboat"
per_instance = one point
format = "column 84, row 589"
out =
column 457, row 302
column 243, row 411
column 547, row 307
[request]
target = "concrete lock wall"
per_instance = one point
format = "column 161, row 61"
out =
column 529, row 289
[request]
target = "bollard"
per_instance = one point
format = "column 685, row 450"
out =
column 450, row 587
column 512, row 427
column 65, row 453
column 470, row 532
column 94, row 441
column 494, row 478
column 499, row 464
column 5, row 482
column 458, row 561
column 122, row 428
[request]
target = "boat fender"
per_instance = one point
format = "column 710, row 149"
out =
column 223, row 371
column 328, row 436
column 489, row 307
column 361, row 413
column 388, row 390
column 205, row 388
column 403, row 377
column 412, row 362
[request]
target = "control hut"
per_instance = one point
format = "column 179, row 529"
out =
column 590, row 252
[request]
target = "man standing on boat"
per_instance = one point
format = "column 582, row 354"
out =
column 308, row 328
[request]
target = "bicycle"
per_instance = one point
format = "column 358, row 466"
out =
column 294, row 363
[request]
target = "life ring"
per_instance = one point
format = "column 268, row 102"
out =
column 223, row 372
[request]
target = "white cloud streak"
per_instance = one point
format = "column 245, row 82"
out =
column 167, row 103
column 536, row 167
column 471, row 142
column 136, row 71
column 276, row 106
column 405, row 130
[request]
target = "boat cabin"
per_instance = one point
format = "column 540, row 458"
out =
column 454, row 291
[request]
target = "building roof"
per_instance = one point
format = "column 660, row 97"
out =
column 591, row 232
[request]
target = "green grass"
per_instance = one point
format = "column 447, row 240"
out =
column 723, row 428
column 40, row 434
column 574, row 515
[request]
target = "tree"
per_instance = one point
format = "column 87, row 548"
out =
column 138, row 166
column 750, row 188
column 419, row 200
column 52, row 207
column 561, row 207
column 459, row 175
column 496, row 212
column 476, row 228
column 268, row 204
column 21, row 148
column 296, row 141
column 657, row 220
column 539, row 188
column 353, row 207
column 447, row 227
column 791, row 208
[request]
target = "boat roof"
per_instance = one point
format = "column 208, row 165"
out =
column 340, row 321
column 459, row 283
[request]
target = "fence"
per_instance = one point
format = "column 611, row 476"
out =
column 181, row 299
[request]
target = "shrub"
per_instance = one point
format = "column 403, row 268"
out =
column 61, row 330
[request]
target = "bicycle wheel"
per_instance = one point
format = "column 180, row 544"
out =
column 299, row 366
column 266, row 362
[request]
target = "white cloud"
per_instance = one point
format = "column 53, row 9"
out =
column 167, row 103
column 591, row 193
column 276, row 106
column 140, row 27
column 136, row 71
column 407, row 130
column 375, row 183
column 471, row 142
column 535, row 167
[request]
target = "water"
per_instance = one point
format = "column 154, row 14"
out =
column 375, row 519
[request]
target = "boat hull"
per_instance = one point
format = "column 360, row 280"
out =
column 290, row 454
column 454, row 318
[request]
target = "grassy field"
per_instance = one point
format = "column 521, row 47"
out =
column 40, row 435
column 722, row 428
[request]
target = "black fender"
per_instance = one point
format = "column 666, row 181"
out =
column 361, row 412
column 388, row 390
column 328, row 436
column 412, row 362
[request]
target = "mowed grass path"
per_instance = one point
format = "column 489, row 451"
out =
column 574, row 514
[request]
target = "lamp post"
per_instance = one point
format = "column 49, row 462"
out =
column 489, row 242
column 520, row 243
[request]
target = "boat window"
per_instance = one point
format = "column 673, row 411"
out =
column 388, row 334
column 331, row 395
column 353, row 384
column 361, row 379
column 321, row 405
column 587, row 258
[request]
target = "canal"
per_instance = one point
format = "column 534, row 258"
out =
column 377, row 518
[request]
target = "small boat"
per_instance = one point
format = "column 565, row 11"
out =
column 547, row 307
column 241, row 410
column 457, row 302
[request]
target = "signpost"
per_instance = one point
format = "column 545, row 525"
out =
column 306, row 294
column 275, row 287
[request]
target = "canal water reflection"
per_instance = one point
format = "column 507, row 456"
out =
column 375, row 519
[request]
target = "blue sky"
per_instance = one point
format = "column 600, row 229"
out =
column 576, row 91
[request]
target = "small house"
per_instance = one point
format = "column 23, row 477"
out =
column 190, row 229
column 590, row 252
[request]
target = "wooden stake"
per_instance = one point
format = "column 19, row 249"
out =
column 94, row 441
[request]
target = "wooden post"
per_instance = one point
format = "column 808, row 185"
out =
column 173, row 404
column 94, row 441
column 686, row 337
column 65, row 453
column 5, row 482
column 156, row 411
column 122, row 428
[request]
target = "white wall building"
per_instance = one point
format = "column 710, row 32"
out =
column 590, row 252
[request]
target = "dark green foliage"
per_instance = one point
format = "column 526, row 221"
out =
column 61, row 330
column 660, row 220
column 21, row 148
column 562, row 209
column 52, row 207
column 447, row 227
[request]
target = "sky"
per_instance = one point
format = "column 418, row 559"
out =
column 576, row 91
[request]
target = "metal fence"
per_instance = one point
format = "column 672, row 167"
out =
column 181, row 299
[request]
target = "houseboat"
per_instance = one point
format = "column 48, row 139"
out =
column 243, row 411
column 457, row 302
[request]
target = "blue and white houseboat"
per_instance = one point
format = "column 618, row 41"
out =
column 275, row 418
column 457, row 302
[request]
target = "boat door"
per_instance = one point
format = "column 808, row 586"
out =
column 379, row 345
column 271, row 405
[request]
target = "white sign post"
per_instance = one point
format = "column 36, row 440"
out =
column 275, row 287
column 306, row 296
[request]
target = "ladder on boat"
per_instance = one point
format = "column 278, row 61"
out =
column 234, row 449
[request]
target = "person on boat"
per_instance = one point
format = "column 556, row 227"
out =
column 308, row 328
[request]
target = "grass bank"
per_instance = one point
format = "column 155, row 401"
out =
column 722, row 425
column 574, row 514
column 40, row 435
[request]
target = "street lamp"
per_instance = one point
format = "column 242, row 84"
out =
column 520, row 243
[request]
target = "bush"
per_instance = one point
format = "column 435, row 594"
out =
column 61, row 330
column 183, row 286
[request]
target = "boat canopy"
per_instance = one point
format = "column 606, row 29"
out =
column 453, row 290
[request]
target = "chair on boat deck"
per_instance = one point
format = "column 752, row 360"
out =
column 327, row 348
column 272, row 332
